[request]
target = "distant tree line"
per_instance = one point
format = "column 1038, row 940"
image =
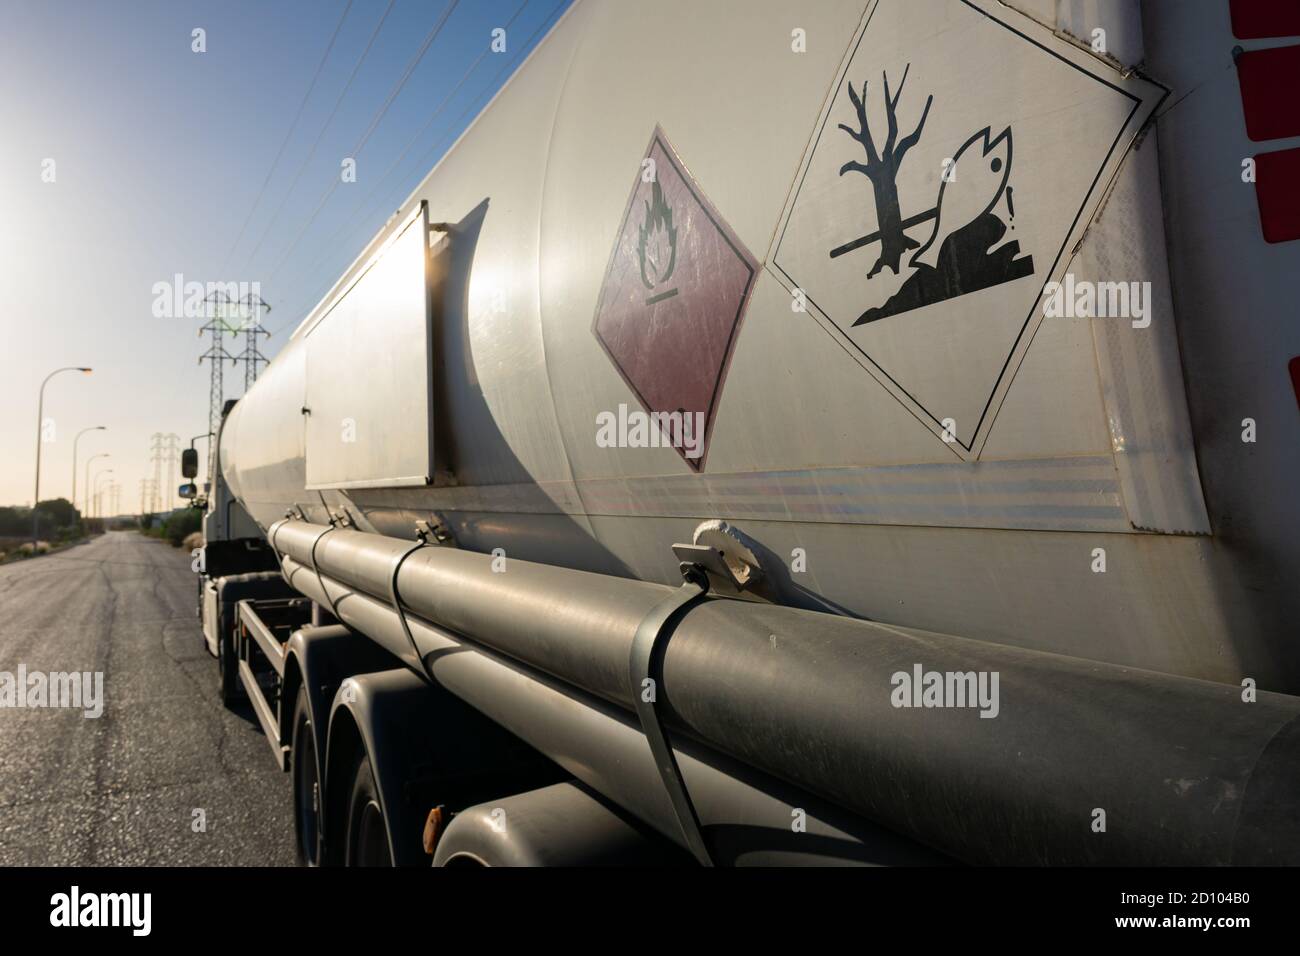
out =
column 57, row 519
column 58, row 522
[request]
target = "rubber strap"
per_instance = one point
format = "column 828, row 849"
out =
column 280, row 555
column 653, row 630
column 279, row 558
column 316, row 568
column 397, row 601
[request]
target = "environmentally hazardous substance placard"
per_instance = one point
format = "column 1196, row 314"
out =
column 674, row 293
column 962, row 152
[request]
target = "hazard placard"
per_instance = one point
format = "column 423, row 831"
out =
column 672, row 300
column 962, row 153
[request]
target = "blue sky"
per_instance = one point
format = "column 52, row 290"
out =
column 159, row 156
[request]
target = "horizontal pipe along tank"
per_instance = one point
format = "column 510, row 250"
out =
column 1185, row 771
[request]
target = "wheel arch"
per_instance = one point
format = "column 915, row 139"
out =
column 383, row 715
column 321, row 659
column 426, row 748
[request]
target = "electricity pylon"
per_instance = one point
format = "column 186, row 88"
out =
column 171, row 451
column 158, row 454
column 255, row 307
column 220, row 308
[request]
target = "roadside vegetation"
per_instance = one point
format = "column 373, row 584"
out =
column 59, row 525
column 176, row 528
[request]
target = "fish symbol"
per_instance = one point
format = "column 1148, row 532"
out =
column 979, row 176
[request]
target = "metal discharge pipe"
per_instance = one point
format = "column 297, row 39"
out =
column 1178, row 771
column 747, row 813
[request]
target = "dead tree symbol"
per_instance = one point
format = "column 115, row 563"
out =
column 882, row 170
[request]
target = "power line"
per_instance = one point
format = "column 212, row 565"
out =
column 348, row 223
column 275, row 164
column 374, row 122
column 312, row 152
column 493, row 87
column 475, row 105
column 406, row 75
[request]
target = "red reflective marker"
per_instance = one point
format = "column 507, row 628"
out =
column 1257, row 19
column 1277, row 190
column 1294, row 367
column 1269, row 80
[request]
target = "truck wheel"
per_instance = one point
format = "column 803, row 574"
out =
column 306, row 784
column 228, row 685
column 367, row 833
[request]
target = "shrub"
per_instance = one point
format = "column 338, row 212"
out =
column 179, row 524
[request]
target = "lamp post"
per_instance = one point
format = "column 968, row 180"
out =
column 90, row 489
column 40, row 419
column 104, row 454
column 99, row 475
column 92, row 428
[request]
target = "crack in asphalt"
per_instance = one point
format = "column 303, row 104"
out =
column 105, row 724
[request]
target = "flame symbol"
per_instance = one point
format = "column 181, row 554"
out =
column 658, row 240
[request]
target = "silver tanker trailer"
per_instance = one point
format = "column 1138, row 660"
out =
column 841, row 432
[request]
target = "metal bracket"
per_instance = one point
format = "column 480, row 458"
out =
column 731, row 558
column 436, row 529
column 711, row 562
column 647, row 647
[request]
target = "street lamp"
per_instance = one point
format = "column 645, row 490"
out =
column 90, row 489
column 99, row 512
column 40, row 418
column 104, row 454
column 92, row 428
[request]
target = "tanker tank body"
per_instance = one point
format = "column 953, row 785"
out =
column 803, row 291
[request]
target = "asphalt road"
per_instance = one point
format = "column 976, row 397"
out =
column 124, row 788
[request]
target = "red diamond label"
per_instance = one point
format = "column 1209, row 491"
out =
column 674, row 293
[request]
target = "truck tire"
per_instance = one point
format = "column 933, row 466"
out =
column 366, row 836
column 228, row 685
column 306, row 784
